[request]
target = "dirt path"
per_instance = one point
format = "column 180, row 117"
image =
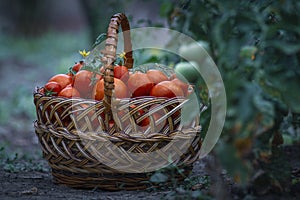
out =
column 27, row 176
column 31, row 179
column 39, row 185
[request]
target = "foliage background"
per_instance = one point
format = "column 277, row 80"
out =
column 256, row 46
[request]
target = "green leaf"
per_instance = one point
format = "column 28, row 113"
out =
column 227, row 154
column 248, row 51
column 245, row 106
column 158, row 177
column 266, row 108
column 291, row 94
column 285, row 47
column 279, row 168
column 119, row 61
column 165, row 9
column 288, row 139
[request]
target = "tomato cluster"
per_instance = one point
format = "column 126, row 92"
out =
column 87, row 84
column 82, row 83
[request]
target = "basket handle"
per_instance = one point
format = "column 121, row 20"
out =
column 110, row 57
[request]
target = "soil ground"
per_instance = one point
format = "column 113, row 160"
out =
column 31, row 179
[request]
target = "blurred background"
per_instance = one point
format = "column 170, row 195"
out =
column 42, row 38
column 255, row 45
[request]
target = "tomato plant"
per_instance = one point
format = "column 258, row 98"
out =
column 187, row 71
column 255, row 45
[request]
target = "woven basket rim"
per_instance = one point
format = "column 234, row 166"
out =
column 118, row 135
column 37, row 93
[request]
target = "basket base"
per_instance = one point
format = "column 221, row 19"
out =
column 113, row 182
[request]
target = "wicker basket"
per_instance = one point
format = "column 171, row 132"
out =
column 87, row 142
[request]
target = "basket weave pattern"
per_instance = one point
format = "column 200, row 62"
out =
column 83, row 147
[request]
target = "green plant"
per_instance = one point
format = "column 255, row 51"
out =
column 13, row 162
column 255, row 45
column 192, row 187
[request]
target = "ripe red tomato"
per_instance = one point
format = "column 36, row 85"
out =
column 62, row 79
column 139, row 84
column 69, row 92
column 166, row 89
column 120, row 89
column 122, row 73
column 77, row 66
column 181, row 84
column 156, row 76
column 52, row 88
column 82, row 82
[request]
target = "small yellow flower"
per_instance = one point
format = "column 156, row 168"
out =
column 84, row 53
column 123, row 55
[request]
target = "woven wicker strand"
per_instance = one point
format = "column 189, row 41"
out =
column 72, row 132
